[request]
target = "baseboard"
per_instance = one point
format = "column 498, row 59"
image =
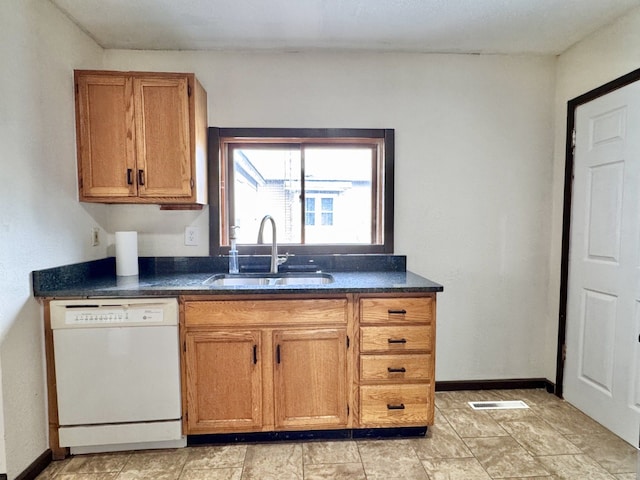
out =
column 36, row 468
column 507, row 384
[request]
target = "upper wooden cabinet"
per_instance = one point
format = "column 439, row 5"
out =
column 141, row 137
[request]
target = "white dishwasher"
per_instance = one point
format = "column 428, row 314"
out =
column 117, row 368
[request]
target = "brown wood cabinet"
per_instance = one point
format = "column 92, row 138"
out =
column 225, row 380
column 141, row 137
column 263, row 365
column 396, row 361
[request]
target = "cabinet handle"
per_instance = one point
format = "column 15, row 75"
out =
column 397, row 340
column 278, row 354
column 397, row 312
column 395, row 407
column 255, row 354
column 396, row 370
column 141, row 177
column 129, row 176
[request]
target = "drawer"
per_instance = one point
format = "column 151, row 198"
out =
column 396, row 405
column 396, row 310
column 266, row 312
column 396, row 339
column 395, row 368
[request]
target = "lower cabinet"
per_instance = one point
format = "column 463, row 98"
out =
column 354, row 361
column 224, row 380
column 310, row 388
column 396, row 361
column 281, row 373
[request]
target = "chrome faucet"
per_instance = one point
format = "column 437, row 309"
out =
column 275, row 260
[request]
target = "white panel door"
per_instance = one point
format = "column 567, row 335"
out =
column 602, row 369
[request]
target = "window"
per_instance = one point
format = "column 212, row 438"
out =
column 329, row 191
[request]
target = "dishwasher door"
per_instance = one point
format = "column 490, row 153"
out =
column 117, row 375
column 117, row 370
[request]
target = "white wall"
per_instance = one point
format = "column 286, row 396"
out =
column 603, row 56
column 474, row 137
column 41, row 223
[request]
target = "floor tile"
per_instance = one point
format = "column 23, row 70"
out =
column 461, row 398
column 338, row 471
column 472, row 423
column 101, row 463
column 549, row 441
column 330, row 452
column 568, row 420
column 87, row 476
column 148, row 475
column 575, row 467
column 52, row 469
column 165, row 464
column 212, row 474
column 442, row 442
column 614, row 454
column 277, row 461
column 217, row 456
column 504, row 457
column 391, row 459
column 531, row 397
column 455, row 469
column 538, row 438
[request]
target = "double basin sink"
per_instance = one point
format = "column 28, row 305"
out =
column 268, row 279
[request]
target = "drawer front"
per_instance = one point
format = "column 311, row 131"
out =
column 395, row 339
column 395, row 368
column 266, row 312
column 395, row 405
column 396, row 310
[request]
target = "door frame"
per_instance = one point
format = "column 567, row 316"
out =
column 572, row 105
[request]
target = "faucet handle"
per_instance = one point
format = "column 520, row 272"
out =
column 283, row 258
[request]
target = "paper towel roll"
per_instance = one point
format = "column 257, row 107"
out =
column 126, row 253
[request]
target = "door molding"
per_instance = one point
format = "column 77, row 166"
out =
column 572, row 105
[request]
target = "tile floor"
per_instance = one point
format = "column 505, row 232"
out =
column 549, row 441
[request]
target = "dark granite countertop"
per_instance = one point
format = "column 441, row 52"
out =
column 173, row 276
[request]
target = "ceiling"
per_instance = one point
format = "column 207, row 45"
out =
column 443, row 26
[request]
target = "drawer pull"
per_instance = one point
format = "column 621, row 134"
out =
column 397, row 312
column 395, row 407
column 396, row 370
column 397, row 340
column 255, row 354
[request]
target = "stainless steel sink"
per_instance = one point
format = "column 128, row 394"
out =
column 267, row 279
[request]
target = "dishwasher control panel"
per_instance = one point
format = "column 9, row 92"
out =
column 96, row 313
column 111, row 315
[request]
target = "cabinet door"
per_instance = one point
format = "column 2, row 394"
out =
column 162, row 137
column 310, row 378
column 224, row 381
column 105, row 136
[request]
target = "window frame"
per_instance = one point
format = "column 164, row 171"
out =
column 304, row 135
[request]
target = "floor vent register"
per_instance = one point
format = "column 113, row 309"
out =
column 499, row 405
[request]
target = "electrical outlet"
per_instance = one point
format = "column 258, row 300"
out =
column 191, row 236
column 95, row 236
